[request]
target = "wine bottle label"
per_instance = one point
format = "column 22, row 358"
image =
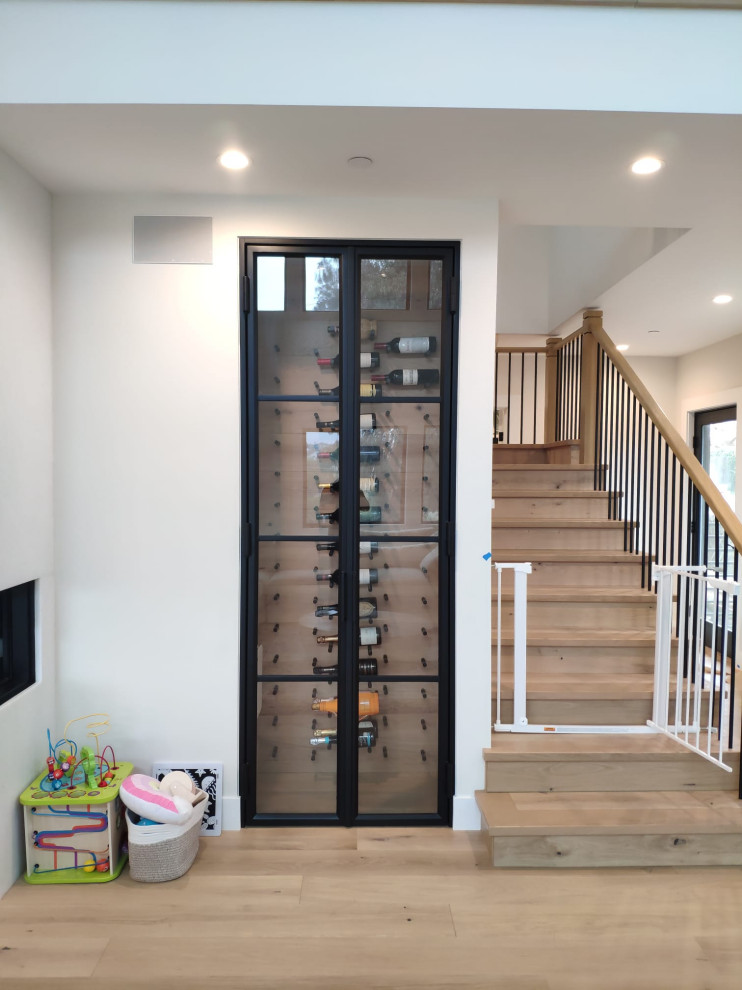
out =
column 409, row 377
column 368, row 484
column 367, row 547
column 414, row 345
column 368, row 421
column 369, row 635
column 369, row 391
column 365, row 360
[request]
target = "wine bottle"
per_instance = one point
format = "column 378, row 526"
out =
column 366, row 739
column 368, row 330
column 366, row 575
column 368, row 704
column 364, row 547
column 368, row 455
column 367, row 390
column 367, row 609
column 422, row 377
column 366, row 668
column 409, row 345
column 368, row 359
column 368, row 516
column 368, row 636
column 369, row 725
column 367, row 422
column 364, row 485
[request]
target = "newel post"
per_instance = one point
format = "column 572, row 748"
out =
column 591, row 318
column 550, row 389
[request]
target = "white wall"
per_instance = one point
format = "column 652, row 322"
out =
column 25, row 479
column 147, row 486
column 660, row 375
column 438, row 54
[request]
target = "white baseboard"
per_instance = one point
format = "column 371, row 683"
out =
column 231, row 814
column 466, row 814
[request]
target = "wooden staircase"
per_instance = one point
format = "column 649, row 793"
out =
column 588, row 799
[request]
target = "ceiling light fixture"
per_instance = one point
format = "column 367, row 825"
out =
column 234, row 160
column 360, row 161
column 622, row 347
column 646, row 166
column 720, row 300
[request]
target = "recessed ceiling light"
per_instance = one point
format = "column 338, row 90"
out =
column 622, row 347
column 645, row 166
column 720, row 300
column 234, row 160
column 360, row 161
column 652, row 331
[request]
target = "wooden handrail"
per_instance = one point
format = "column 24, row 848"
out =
column 593, row 323
column 508, row 349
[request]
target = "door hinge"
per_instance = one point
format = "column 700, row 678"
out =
column 245, row 294
column 453, row 295
column 450, row 779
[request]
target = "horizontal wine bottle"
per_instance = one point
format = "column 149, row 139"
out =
column 366, row 668
column 368, row 636
column 368, row 455
column 368, row 516
column 365, row 547
column 366, row 575
column 368, row 330
column 368, row 704
column 364, row 485
column 367, row 609
column 365, row 740
column 367, row 422
column 421, row 377
column 364, row 725
column 409, row 345
column 367, row 359
column 367, row 390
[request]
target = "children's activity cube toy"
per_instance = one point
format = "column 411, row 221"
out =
column 75, row 834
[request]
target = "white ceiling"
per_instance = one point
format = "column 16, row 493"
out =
column 547, row 168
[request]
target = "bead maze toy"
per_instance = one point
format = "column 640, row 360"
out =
column 73, row 818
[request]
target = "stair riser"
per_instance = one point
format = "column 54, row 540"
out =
column 591, row 851
column 691, row 774
column 584, row 711
column 575, row 615
column 550, row 478
column 534, row 507
column 552, row 660
column 581, row 574
column 504, row 454
column 556, row 538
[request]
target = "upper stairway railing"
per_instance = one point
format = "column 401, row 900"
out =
column 673, row 513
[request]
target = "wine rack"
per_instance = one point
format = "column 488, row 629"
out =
column 347, row 522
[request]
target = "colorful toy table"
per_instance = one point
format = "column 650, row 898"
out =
column 74, row 835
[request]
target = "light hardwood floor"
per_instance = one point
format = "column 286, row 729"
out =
column 347, row 909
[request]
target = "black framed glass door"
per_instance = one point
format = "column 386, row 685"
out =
column 348, row 360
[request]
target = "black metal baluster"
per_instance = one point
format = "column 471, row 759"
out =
column 497, row 375
column 644, row 501
column 659, row 495
column 622, row 461
column 535, row 394
column 510, row 365
column 733, row 658
column 522, row 389
column 633, row 486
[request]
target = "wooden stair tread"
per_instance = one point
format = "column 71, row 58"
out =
column 579, row 687
column 604, row 747
column 541, row 467
column 550, row 493
column 610, row 812
column 568, row 556
column 551, row 445
column 583, row 637
column 535, row 522
column 573, row 594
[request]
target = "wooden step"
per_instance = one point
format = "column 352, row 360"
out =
column 576, row 568
column 547, row 476
column 569, row 534
column 553, row 505
column 608, row 828
column 560, row 452
column 576, row 608
column 600, row 762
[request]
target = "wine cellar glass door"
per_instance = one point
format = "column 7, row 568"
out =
column 348, row 359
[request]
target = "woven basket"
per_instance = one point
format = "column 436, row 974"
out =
column 164, row 852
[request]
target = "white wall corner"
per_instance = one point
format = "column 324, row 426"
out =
column 466, row 814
